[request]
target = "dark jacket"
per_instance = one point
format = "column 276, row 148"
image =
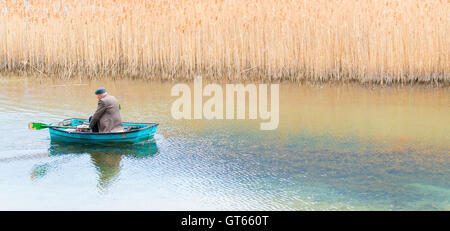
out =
column 107, row 116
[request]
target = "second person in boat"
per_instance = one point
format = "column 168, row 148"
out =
column 107, row 116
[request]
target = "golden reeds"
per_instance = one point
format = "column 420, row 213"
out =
column 367, row 40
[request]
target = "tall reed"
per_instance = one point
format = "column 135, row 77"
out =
column 381, row 41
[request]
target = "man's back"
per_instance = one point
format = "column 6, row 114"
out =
column 107, row 115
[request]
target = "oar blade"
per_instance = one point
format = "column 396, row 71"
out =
column 37, row 126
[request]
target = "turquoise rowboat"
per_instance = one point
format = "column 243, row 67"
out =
column 133, row 133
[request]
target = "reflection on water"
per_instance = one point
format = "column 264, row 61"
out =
column 336, row 147
column 106, row 159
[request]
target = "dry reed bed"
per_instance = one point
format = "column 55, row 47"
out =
column 383, row 41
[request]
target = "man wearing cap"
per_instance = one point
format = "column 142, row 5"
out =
column 107, row 116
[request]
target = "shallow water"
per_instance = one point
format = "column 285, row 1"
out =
column 336, row 148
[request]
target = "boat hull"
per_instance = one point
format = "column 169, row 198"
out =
column 145, row 132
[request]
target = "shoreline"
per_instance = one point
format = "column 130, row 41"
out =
column 445, row 83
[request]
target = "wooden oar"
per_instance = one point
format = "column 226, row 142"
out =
column 39, row 126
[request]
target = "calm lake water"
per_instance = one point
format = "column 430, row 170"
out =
column 336, row 148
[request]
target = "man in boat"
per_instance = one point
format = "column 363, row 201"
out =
column 107, row 116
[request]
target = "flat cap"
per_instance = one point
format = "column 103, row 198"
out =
column 100, row 91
